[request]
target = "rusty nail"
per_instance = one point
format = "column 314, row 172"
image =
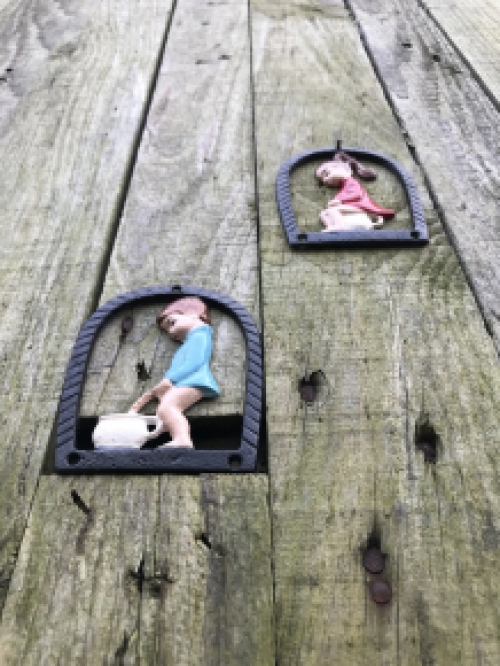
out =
column 380, row 591
column 374, row 561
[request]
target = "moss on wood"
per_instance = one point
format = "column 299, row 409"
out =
column 400, row 343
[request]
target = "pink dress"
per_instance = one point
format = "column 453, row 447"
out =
column 353, row 193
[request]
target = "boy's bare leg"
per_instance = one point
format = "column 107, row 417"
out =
column 170, row 411
column 157, row 392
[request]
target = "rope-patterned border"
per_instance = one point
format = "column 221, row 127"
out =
column 70, row 459
column 380, row 238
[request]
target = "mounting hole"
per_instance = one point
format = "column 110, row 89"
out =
column 142, row 372
column 302, row 237
column 234, row 461
column 73, row 458
column 415, row 234
column 427, row 440
column 177, row 287
column 308, row 390
column 312, row 387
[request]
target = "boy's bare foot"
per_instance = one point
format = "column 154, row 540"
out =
column 176, row 444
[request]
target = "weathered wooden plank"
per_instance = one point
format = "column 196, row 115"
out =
column 74, row 80
column 204, row 151
column 191, row 206
column 210, row 602
column 123, row 580
column 451, row 123
column 473, row 29
column 202, row 592
column 85, row 565
column 400, row 341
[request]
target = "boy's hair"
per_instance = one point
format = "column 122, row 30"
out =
column 186, row 305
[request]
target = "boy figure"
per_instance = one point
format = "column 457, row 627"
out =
column 188, row 379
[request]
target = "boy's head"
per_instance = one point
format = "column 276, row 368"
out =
column 182, row 315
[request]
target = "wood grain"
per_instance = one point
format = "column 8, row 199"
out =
column 75, row 78
column 121, row 579
column 182, row 570
column 402, row 347
column 80, row 561
column 211, row 604
column 472, row 27
column 449, row 121
column 188, row 579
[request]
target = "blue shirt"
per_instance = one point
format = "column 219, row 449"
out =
column 191, row 362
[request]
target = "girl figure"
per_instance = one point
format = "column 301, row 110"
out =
column 351, row 208
column 188, row 379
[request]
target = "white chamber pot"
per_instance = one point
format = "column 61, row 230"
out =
column 125, row 430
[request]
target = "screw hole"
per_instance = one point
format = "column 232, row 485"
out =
column 142, row 372
column 427, row 441
column 302, row 237
column 234, row 461
column 415, row 234
column 176, row 288
column 73, row 458
column 126, row 327
column 309, row 387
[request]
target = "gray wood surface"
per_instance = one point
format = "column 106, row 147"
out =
column 119, row 578
column 449, row 120
column 472, row 27
column 74, row 80
column 177, row 568
column 257, row 569
column 401, row 344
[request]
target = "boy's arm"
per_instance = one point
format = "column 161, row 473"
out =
column 157, row 391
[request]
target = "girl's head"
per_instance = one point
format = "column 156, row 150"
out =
column 334, row 173
column 182, row 315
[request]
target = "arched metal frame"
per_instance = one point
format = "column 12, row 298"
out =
column 70, row 459
column 379, row 238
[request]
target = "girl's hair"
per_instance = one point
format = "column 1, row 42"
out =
column 187, row 305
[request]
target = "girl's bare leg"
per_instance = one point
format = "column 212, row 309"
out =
column 170, row 411
column 331, row 219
